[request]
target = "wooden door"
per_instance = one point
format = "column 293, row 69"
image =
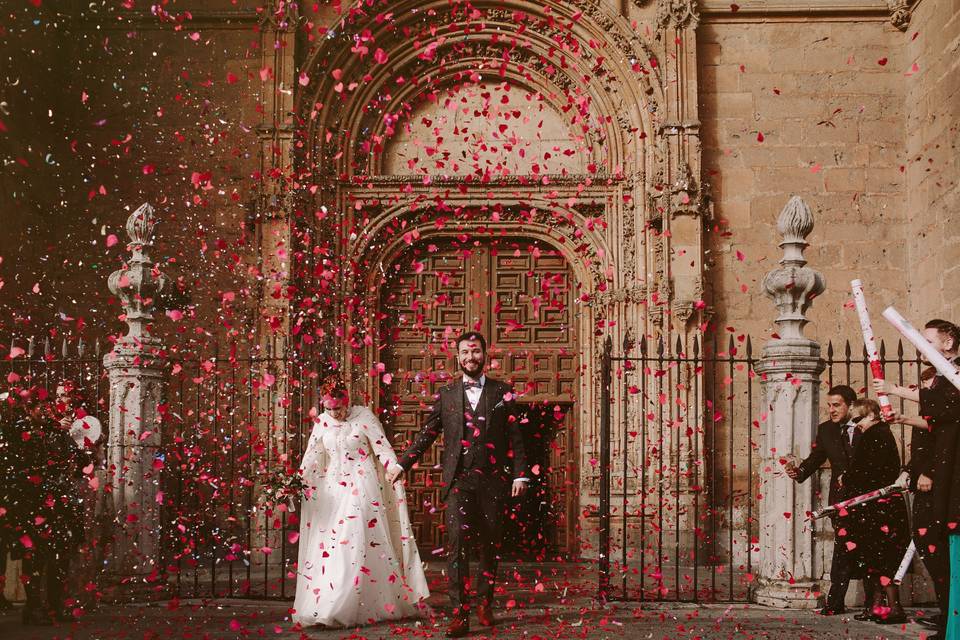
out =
column 521, row 296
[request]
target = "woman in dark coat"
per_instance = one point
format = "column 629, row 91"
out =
column 878, row 530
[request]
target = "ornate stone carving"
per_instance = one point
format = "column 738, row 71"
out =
column 793, row 285
column 678, row 14
column 633, row 294
column 136, row 374
column 900, row 13
column 138, row 283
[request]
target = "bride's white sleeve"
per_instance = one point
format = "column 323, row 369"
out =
column 378, row 439
column 314, row 464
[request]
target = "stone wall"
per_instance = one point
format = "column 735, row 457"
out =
column 141, row 111
column 931, row 75
column 810, row 108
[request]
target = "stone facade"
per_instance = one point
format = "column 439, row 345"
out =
column 245, row 125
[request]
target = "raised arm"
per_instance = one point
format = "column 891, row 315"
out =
column 315, row 459
column 378, row 439
column 427, row 435
column 813, row 461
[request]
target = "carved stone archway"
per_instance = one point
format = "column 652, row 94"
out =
column 630, row 225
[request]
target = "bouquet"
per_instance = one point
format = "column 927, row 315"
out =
column 281, row 489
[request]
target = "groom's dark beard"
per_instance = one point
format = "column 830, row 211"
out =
column 479, row 373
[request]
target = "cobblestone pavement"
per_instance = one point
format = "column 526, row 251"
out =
column 538, row 602
column 269, row 619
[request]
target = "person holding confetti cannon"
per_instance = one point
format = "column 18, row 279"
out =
column 876, row 532
column 836, row 439
column 933, row 458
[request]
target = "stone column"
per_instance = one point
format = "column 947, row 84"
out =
column 136, row 372
column 790, row 368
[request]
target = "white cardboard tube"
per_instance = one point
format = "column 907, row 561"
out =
column 905, row 563
column 866, row 327
column 941, row 364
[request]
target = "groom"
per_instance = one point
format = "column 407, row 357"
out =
column 482, row 444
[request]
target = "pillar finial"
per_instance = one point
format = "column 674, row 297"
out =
column 793, row 285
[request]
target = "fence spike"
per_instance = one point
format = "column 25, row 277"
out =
column 731, row 346
column 900, row 349
column 679, row 345
column 643, row 345
column 64, row 351
column 830, row 350
column 626, row 342
column 866, row 356
column 96, row 348
column 30, row 347
column 696, row 346
column 608, row 345
column 847, row 350
column 660, row 345
column 749, row 348
column 81, row 348
column 883, row 351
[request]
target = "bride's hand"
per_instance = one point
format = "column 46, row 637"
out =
column 394, row 472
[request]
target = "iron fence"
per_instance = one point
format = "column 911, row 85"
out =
column 679, row 439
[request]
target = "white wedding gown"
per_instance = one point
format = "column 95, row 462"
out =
column 358, row 562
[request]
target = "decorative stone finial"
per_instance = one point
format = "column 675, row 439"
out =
column 138, row 283
column 793, row 285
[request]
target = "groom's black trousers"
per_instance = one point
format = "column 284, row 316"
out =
column 474, row 509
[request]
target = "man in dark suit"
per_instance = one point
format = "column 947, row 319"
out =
column 483, row 452
column 835, row 441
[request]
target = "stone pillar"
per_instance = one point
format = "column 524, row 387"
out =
column 790, row 368
column 136, row 372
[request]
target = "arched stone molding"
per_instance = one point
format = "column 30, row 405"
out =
column 612, row 80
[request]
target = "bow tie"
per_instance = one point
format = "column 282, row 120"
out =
column 467, row 385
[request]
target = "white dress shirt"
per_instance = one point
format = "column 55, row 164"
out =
column 473, row 393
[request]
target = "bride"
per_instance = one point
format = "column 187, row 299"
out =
column 358, row 562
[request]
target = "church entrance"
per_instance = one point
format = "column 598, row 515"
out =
column 521, row 294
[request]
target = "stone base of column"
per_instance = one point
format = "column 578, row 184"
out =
column 786, row 595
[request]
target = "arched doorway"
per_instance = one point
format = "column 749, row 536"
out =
column 521, row 293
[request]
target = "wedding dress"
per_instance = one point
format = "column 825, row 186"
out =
column 358, row 562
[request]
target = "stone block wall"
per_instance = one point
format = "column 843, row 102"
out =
column 931, row 75
column 814, row 108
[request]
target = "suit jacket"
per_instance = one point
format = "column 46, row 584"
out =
column 940, row 405
column 499, row 437
column 829, row 445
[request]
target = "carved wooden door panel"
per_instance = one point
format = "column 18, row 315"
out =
column 522, row 298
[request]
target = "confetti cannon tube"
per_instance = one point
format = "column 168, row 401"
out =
column 870, row 496
column 941, row 364
column 867, row 328
column 905, row 563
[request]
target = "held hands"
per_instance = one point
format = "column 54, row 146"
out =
column 394, row 472
column 793, row 471
column 519, row 486
column 924, row 483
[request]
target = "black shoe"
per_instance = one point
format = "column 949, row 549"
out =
column 866, row 616
column 5, row 605
column 830, row 611
column 929, row 623
column 36, row 617
column 899, row 618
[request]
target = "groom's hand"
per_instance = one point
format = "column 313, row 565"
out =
column 394, row 472
column 519, row 486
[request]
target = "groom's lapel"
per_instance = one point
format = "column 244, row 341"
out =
column 484, row 405
column 458, row 408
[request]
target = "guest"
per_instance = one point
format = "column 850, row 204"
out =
column 932, row 463
column 878, row 534
column 835, row 442
column 47, row 521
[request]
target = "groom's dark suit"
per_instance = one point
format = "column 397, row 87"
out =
column 482, row 453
